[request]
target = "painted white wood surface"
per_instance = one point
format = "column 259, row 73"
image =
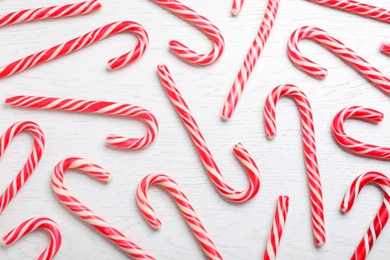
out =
column 239, row 231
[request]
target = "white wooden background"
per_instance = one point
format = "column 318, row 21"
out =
column 239, row 231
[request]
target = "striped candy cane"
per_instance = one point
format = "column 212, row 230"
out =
column 356, row 7
column 250, row 59
column 346, row 54
column 32, row 162
column 309, row 147
column 83, row 212
column 201, row 146
column 237, row 6
column 96, row 107
column 49, row 12
column 33, row 224
column 380, row 219
column 204, row 25
column 184, row 205
column 277, row 227
column 351, row 144
column 82, row 42
column 385, row 48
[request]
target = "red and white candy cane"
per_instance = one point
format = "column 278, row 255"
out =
column 185, row 207
column 32, row 162
column 237, row 6
column 309, row 147
column 337, row 47
column 49, row 12
column 96, row 107
column 351, row 144
column 202, row 148
column 359, row 8
column 205, row 26
column 277, row 227
column 250, row 59
column 385, row 48
column 33, row 224
column 82, row 42
column 380, row 219
column 83, row 212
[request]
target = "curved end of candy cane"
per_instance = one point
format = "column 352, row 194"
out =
column 385, row 48
column 187, row 55
column 156, row 224
column 320, row 73
column 123, row 142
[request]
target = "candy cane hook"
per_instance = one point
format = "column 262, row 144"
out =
column 82, row 42
column 250, row 60
column 351, row 144
column 97, row 107
column 32, row 162
column 309, row 147
column 83, row 212
column 337, row 47
column 202, row 148
column 51, row 12
column 184, row 205
column 33, row 224
column 204, row 25
column 380, row 219
column 359, row 8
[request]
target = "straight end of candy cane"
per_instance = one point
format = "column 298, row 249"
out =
column 225, row 117
column 109, row 178
column 227, row 111
column 385, row 48
column 270, row 136
column 4, row 242
column 321, row 243
column 235, row 11
column 344, row 208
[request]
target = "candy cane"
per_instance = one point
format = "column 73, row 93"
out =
column 83, row 212
column 351, row 144
column 380, row 219
column 96, row 107
column 356, row 7
column 206, row 26
column 385, row 48
column 346, row 54
column 33, row 224
column 184, row 205
column 277, row 227
column 250, row 59
column 204, row 153
column 82, row 42
column 32, row 162
column 309, row 147
column 49, row 12
column 237, row 6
